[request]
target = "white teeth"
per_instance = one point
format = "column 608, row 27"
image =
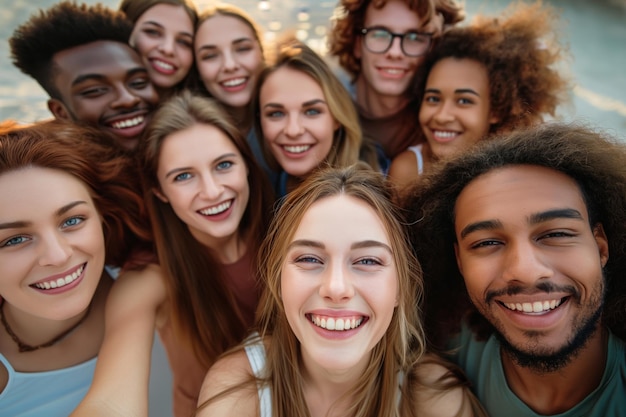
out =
column 339, row 324
column 444, row 134
column 211, row 211
column 163, row 65
column 128, row 123
column 60, row 282
column 297, row 149
column 234, row 82
column 534, row 307
column 393, row 71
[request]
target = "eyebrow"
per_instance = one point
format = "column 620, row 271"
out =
column 182, row 169
column 305, row 104
column 152, row 22
column 58, row 213
column 236, row 41
column 535, row 218
column 356, row 245
column 102, row 77
column 457, row 91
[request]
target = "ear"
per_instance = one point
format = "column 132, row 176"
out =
column 493, row 119
column 602, row 242
column 160, row 195
column 58, row 109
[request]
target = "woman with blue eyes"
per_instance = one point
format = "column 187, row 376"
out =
column 209, row 205
column 305, row 118
column 163, row 36
column 338, row 328
column 67, row 208
column 493, row 76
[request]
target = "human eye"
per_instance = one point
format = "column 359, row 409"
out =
column 465, row 101
column 93, row 91
column 485, row 244
column 416, row 37
column 72, row 221
column 184, row 42
column 153, row 33
column 379, row 33
column 182, row 176
column 557, row 234
column 431, row 98
column 369, row 261
column 312, row 111
column 13, row 241
column 223, row 165
column 244, row 47
column 274, row 114
column 308, row 259
column 208, row 55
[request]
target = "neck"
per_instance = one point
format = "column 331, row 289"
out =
column 375, row 104
column 556, row 392
column 228, row 250
column 325, row 389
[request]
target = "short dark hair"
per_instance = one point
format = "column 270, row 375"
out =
column 63, row 26
column 596, row 161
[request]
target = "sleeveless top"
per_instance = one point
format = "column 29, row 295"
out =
column 417, row 150
column 53, row 393
column 255, row 351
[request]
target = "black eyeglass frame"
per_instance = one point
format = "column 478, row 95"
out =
column 363, row 32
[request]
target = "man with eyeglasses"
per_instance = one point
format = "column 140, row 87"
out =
column 381, row 45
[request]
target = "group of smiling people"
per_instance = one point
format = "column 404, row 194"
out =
column 303, row 246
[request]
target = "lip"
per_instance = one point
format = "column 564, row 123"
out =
column 447, row 137
column 65, row 288
column 154, row 64
column 137, row 121
column 536, row 321
column 336, row 315
column 392, row 73
column 218, row 216
column 296, row 155
column 234, row 88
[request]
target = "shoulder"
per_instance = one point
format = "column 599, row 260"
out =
column 403, row 169
column 229, row 388
column 440, row 391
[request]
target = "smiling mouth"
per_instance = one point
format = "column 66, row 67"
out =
column 220, row 208
column 128, row 123
column 235, row 82
column 336, row 324
column 163, row 65
column 60, row 282
column 297, row 148
column 444, row 134
column 535, row 307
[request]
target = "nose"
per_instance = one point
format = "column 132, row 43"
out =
column 336, row 284
column 395, row 50
column 230, row 63
column 294, row 128
column 55, row 250
column 125, row 98
column 167, row 45
column 211, row 188
column 524, row 264
column 444, row 113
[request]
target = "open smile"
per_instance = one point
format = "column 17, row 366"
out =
column 336, row 323
column 217, row 209
column 536, row 307
column 59, row 282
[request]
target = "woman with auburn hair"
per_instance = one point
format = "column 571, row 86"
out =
column 306, row 119
column 494, row 76
column 339, row 331
column 68, row 208
column 163, row 35
column 209, row 205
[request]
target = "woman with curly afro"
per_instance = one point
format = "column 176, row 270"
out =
column 493, row 76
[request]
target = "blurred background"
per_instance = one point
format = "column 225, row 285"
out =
column 595, row 32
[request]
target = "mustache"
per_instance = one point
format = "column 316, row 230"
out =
column 539, row 288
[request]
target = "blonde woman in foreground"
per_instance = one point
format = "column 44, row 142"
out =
column 339, row 331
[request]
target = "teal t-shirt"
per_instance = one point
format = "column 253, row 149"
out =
column 483, row 365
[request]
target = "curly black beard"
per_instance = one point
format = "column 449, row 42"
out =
column 542, row 364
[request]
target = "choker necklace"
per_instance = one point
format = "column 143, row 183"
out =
column 23, row 347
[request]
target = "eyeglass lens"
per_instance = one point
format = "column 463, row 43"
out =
column 379, row 40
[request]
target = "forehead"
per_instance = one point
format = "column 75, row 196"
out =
column 106, row 59
column 514, row 193
column 221, row 28
column 281, row 83
column 341, row 218
column 454, row 72
column 38, row 190
column 169, row 16
column 395, row 15
column 194, row 145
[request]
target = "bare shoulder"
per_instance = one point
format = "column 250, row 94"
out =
column 229, row 388
column 403, row 169
column 139, row 289
column 440, row 392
